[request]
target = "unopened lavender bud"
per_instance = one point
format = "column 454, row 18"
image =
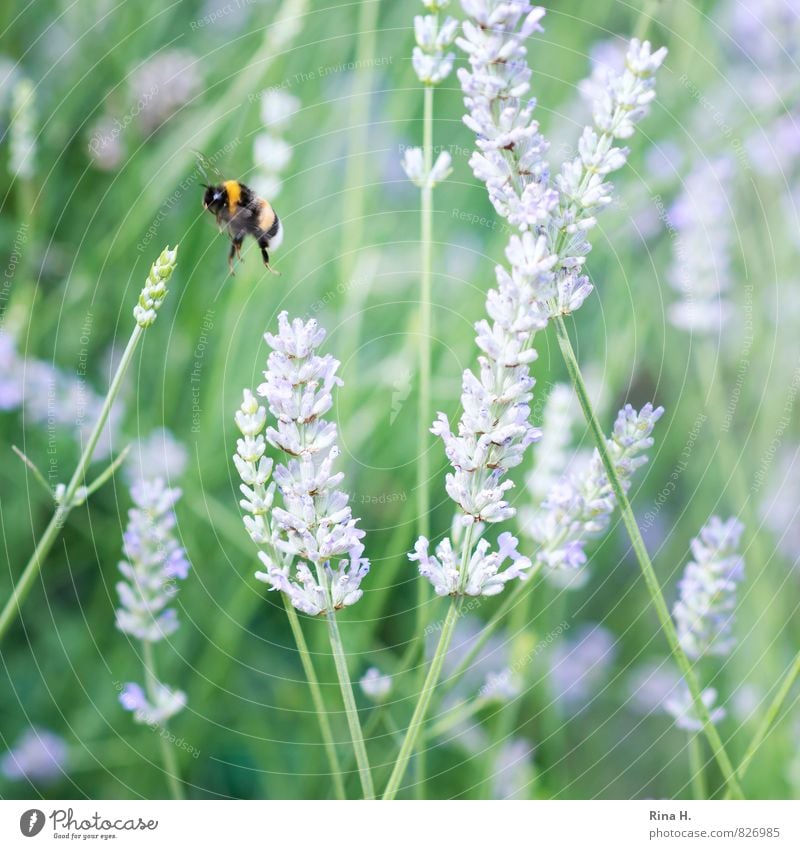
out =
column 705, row 610
column 155, row 287
column 22, row 144
column 375, row 685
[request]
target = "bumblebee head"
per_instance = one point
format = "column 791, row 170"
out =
column 215, row 198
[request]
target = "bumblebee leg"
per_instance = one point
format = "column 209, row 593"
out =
column 264, row 244
column 235, row 251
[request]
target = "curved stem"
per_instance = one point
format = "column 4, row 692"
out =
column 769, row 717
column 351, row 710
column 696, row 770
column 23, row 586
column 424, row 416
column 316, row 697
column 167, row 753
column 421, row 710
column 643, row 558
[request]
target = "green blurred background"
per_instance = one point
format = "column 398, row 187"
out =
column 92, row 225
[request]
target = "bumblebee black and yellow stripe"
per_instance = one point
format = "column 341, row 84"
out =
column 233, row 189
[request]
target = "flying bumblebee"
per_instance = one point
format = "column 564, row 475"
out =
column 238, row 208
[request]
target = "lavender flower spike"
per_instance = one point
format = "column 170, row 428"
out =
column 705, row 609
column 680, row 706
column 432, row 64
column 39, row 756
column 511, row 158
column 155, row 561
column 155, row 287
column 580, row 504
column 315, row 526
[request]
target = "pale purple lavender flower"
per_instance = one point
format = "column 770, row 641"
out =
column 680, row 706
column 158, row 455
column 155, row 560
column 780, row 506
column 705, row 610
column 701, row 265
column 494, row 429
column 485, row 572
column 52, row 396
column 501, row 686
column 511, row 159
column 165, row 703
column 375, row 685
column 551, row 454
column 746, row 701
column 163, row 84
column 650, row 685
column 580, row 664
column 513, row 770
column 315, row 524
column 11, row 393
column 431, row 60
column 39, row 756
column 579, row 506
column 22, row 132
column 271, row 152
column 414, row 166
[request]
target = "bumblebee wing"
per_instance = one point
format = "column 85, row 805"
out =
column 206, row 167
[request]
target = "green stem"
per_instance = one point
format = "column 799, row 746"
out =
column 167, row 752
column 356, row 734
column 421, row 709
column 240, row 607
column 645, row 18
column 23, row 586
column 769, row 717
column 519, row 592
column 359, row 118
column 424, row 416
column 643, row 558
column 316, row 697
column 696, row 769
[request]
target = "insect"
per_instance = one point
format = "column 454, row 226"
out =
column 238, row 208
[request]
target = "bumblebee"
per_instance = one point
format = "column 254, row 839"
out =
column 238, row 208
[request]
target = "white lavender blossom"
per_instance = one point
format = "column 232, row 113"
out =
column 651, row 684
column 162, row 85
column 414, row 166
column 315, row 524
column 155, row 559
column 705, row 609
column 22, row 143
column 579, row 665
column 163, row 704
column 513, row 770
column 702, row 254
column 511, row 158
column 39, row 756
column 271, row 152
column 485, row 574
column 550, row 456
column 52, row 396
column 680, row 706
column 431, row 60
column 158, row 454
column 579, row 506
column 375, row 685
column 155, row 287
